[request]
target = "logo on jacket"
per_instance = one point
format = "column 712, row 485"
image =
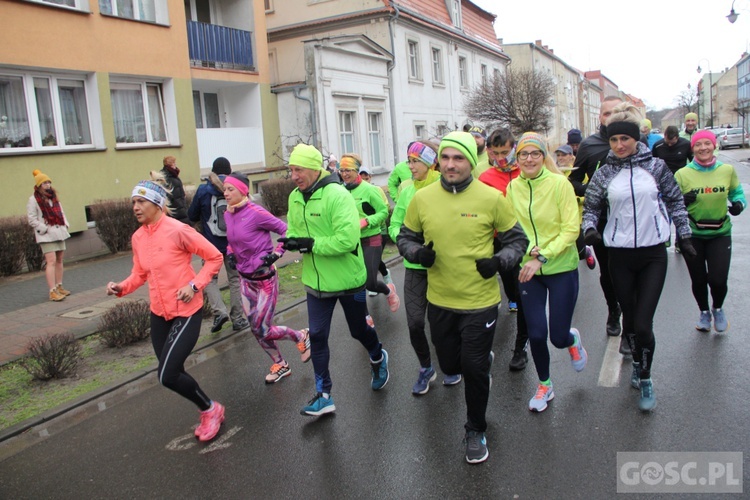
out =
column 471, row 216
column 709, row 189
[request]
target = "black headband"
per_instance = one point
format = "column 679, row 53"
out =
column 625, row 128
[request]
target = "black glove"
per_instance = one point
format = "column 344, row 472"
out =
column 592, row 236
column 426, row 255
column 736, row 208
column 488, row 267
column 689, row 197
column 270, row 258
column 368, row 209
column 302, row 245
column 687, row 248
column 232, row 261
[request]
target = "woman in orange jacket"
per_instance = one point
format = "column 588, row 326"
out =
column 162, row 252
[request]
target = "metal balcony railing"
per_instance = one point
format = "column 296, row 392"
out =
column 215, row 46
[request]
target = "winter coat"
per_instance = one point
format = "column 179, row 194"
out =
column 44, row 233
column 200, row 208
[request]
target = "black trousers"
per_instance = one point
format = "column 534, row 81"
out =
column 710, row 268
column 462, row 344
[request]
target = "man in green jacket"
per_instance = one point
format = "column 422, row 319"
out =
column 323, row 225
column 450, row 229
column 399, row 175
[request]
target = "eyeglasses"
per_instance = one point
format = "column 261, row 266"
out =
column 347, row 170
column 525, row 154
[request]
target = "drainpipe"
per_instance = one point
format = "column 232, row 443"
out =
column 313, row 118
column 394, row 127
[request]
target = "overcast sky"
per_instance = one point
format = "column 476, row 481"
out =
column 649, row 48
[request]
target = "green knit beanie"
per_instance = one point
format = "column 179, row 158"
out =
column 462, row 141
column 306, row 156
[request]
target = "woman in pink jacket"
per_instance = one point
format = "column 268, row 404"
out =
column 251, row 251
column 162, row 253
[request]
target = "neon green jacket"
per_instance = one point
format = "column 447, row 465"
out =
column 372, row 195
column 400, row 174
column 547, row 209
column 329, row 216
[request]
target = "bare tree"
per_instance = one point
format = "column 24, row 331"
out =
column 519, row 98
column 687, row 100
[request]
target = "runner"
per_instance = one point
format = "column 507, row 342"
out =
column 163, row 249
column 545, row 205
column 708, row 185
column 251, row 253
column 640, row 195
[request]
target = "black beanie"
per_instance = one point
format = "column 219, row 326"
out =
column 241, row 177
column 221, row 166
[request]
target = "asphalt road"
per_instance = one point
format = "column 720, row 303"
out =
column 390, row 444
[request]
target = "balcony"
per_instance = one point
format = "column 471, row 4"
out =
column 213, row 46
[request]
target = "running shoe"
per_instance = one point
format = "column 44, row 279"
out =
column 590, row 260
column 387, row 278
column 578, row 355
column 318, row 405
column 219, row 321
column 476, row 447
column 278, row 372
column 370, row 321
column 704, row 322
column 393, row 300
column 211, row 420
column 635, row 377
column 648, row 398
column 512, row 306
column 613, row 322
column 720, row 320
column 426, row 375
column 303, row 346
column 519, row 360
column 380, row 374
column 452, row 379
column 544, row 393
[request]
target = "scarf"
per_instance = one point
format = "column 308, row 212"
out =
column 231, row 208
column 354, row 184
column 52, row 214
column 432, row 176
column 706, row 165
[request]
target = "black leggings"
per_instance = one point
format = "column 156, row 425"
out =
column 415, row 301
column 710, row 268
column 372, row 256
column 510, row 285
column 638, row 276
column 173, row 341
column 605, row 279
column 383, row 269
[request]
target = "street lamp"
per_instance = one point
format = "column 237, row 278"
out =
column 732, row 17
column 710, row 88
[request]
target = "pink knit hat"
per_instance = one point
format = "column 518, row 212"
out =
column 703, row 134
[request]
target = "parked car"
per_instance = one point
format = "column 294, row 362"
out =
column 732, row 137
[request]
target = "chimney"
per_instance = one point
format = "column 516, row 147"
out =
column 538, row 43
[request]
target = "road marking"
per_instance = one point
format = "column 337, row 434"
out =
column 609, row 375
column 220, row 443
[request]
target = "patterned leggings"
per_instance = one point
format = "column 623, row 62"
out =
column 259, row 302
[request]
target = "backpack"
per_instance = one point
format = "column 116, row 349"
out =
column 216, row 223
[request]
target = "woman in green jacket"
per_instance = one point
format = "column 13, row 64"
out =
column 545, row 205
column 372, row 213
column 423, row 160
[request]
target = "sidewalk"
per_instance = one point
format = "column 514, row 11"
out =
column 27, row 313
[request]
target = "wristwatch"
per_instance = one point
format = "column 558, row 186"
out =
column 541, row 258
column 195, row 288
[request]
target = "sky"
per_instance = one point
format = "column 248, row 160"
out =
column 650, row 48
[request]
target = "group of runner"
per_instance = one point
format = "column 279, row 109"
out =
column 521, row 219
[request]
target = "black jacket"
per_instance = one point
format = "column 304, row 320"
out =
column 591, row 155
column 676, row 156
column 176, row 197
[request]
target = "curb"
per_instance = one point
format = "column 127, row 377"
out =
column 38, row 428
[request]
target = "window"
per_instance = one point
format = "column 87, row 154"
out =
column 456, row 13
column 206, row 108
column 419, row 131
column 463, row 73
column 346, row 131
column 82, row 5
column 496, row 74
column 415, row 72
column 437, row 65
column 138, row 112
column 484, row 74
column 268, row 5
column 153, row 11
column 442, row 129
column 374, row 124
column 39, row 111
